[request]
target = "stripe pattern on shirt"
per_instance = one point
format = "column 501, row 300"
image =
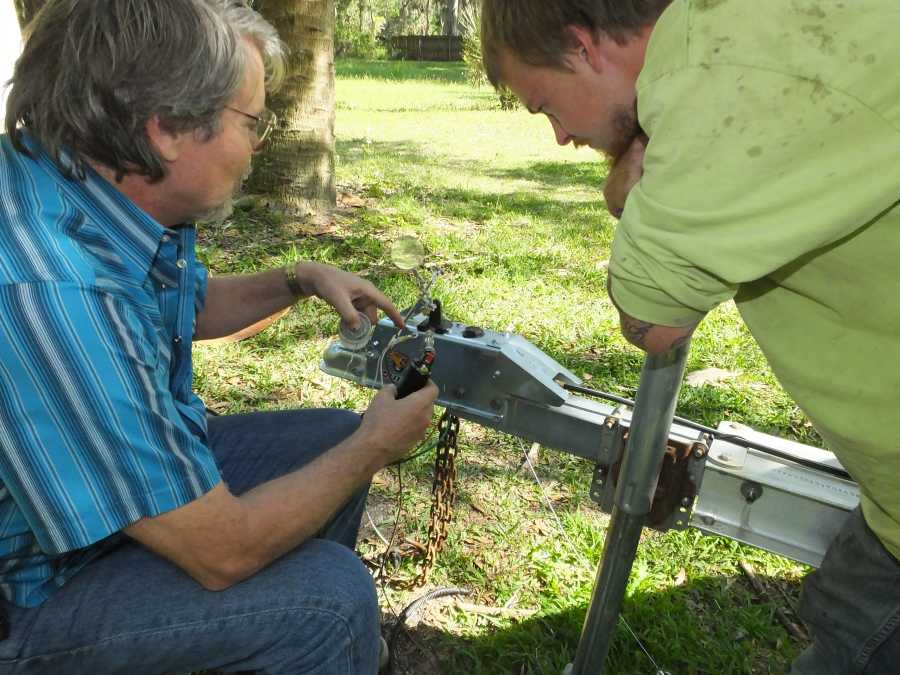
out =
column 99, row 426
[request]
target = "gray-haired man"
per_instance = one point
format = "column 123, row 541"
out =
column 134, row 536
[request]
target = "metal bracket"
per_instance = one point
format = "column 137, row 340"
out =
column 612, row 445
column 770, row 502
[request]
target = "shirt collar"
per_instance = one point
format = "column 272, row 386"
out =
column 132, row 232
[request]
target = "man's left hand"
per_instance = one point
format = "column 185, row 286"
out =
column 625, row 173
column 346, row 292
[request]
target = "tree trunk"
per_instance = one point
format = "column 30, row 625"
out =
column 26, row 9
column 296, row 166
column 451, row 17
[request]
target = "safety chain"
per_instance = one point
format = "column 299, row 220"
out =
column 443, row 498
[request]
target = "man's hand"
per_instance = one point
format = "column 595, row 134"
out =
column 392, row 426
column 346, row 292
column 625, row 173
column 237, row 301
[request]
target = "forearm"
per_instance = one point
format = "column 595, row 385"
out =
column 236, row 301
column 221, row 539
column 283, row 513
column 652, row 338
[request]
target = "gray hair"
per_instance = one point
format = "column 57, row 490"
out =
column 93, row 72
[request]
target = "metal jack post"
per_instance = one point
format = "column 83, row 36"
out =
column 652, row 419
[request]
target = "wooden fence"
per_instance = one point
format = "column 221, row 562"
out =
column 426, row 47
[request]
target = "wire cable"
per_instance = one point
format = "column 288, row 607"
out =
column 412, row 608
column 375, row 528
column 579, row 554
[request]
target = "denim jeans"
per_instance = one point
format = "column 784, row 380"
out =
column 131, row 611
column 852, row 605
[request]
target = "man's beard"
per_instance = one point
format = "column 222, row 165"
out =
column 218, row 214
column 625, row 130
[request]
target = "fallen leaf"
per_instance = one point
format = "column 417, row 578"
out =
column 313, row 227
column 681, row 577
column 711, row 376
column 351, row 200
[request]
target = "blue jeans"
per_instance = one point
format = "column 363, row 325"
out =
column 313, row 611
column 852, row 605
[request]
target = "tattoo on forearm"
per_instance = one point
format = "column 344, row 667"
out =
column 683, row 340
column 636, row 331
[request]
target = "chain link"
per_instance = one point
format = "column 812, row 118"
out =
column 443, row 499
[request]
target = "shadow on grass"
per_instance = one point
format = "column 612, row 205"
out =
column 586, row 175
column 405, row 177
column 406, row 152
column 708, row 626
column 713, row 625
column 430, row 71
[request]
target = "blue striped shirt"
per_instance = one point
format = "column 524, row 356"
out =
column 99, row 426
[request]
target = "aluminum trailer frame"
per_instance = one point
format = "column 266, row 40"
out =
column 784, row 497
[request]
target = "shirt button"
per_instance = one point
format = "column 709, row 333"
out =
column 176, row 339
column 166, row 238
column 181, row 263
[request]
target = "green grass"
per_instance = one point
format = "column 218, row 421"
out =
column 520, row 231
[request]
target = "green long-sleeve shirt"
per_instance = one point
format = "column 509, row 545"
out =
column 773, row 177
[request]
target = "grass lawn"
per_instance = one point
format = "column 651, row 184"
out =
column 520, row 231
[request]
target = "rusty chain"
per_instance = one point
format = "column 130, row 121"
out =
column 443, row 499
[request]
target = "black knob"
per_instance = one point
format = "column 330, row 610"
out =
column 473, row 332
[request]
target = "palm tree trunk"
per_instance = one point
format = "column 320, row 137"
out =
column 451, row 17
column 296, row 168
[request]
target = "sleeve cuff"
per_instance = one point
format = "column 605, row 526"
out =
column 650, row 304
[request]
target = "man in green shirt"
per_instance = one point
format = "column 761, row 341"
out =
column 757, row 144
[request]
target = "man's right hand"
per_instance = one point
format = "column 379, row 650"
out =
column 624, row 175
column 392, row 427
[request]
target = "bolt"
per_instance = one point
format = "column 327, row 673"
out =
column 724, row 457
column 751, row 491
column 686, row 501
column 699, row 451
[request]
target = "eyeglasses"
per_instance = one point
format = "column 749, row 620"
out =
column 265, row 122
